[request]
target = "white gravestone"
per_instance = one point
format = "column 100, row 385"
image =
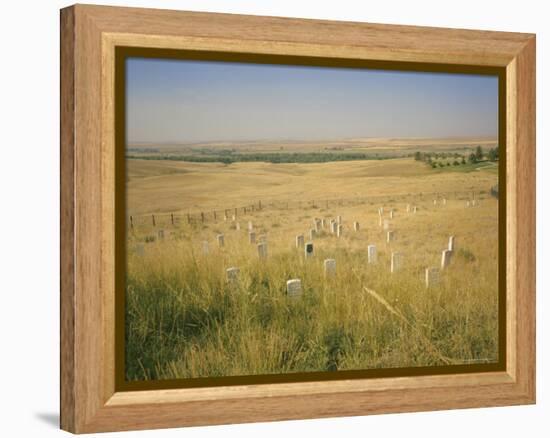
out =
column 390, row 236
column 339, row 230
column 221, row 240
column 251, row 237
column 140, row 249
column 308, row 250
column 232, row 274
column 317, row 224
column 294, row 288
column 451, row 246
column 408, row 208
column 334, row 227
column 250, row 226
column 356, row 226
column 330, row 267
column 432, row 277
column 299, row 241
column 238, row 226
column 446, row 258
column 396, row 261
column 160, row 234
column 414, row 210
column 386, row 225
column 339, row 219
column 372, row 254
column 391, row 214
column 262, row 250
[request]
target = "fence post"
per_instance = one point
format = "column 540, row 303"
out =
column 131, row 222
column 153, row 216
column 202, row 216
column 188, row 218
column 259, row 205
column 172, row 218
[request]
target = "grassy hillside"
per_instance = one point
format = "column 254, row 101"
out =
column 185, row 319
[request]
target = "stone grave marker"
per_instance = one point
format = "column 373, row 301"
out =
column 294, row 288
column 432, row 277
column 396, row 262
column 451, row 246
column 446, row 256
column 262, row 250
column 330, row 267
column 232, row 274
column 140, row 249
column 372, row 254
column 308, row 250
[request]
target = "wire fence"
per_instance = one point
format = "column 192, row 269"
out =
column 232, row 213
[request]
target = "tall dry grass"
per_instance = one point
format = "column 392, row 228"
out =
column 185, row 320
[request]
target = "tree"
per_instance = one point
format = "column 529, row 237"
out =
column 493, row 154
column 479, row 153
column 418, row 156
column 463, row 161
column 455, row 163
column 472, row 158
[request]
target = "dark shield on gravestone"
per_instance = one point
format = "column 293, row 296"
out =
column 309, row 249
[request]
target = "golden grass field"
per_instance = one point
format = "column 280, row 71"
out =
column 184, row 319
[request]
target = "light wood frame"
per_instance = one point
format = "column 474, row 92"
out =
column 89, row 35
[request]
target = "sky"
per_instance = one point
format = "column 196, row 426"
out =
column 180, row 101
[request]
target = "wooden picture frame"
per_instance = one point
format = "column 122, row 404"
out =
column 89, row 38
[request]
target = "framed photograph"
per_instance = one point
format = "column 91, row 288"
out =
column 271, row 218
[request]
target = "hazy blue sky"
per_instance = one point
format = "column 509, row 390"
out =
column 193, row 101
